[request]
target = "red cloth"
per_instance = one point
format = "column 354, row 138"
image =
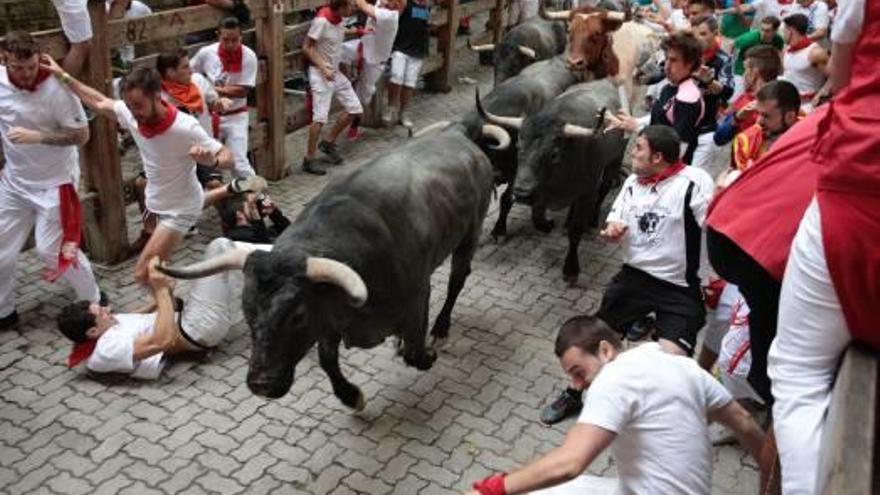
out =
column 493, row 485
column 848, row 151
column 187, row 95
column 751, row 117
column 71, row 230
column 800, row 45
column 80, row 352
column 328, row 13
column 231, row 60
column 748, row 147
column 153, row 130
column 662, row 175
column 42, row 75
column 709, row 53
column 761, row 210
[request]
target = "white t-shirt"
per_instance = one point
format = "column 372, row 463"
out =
column 70, row 5
column 114, row 351
column 328, row 39
column 49, row 108
column 136, row 9
column 657, row 235
column 377, row 45
column 817, row 14
column 766, row 8
column 657, row 404
column 848, row 22
column 207, row 61
column 172, row 185
column 209, row 96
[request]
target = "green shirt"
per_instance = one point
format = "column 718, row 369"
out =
column 752, row 38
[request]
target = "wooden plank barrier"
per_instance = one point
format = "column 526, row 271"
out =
column 107, row 192
column 850, row 451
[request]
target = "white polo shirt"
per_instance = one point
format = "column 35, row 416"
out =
column 114, row 351
column 378, row 44
column 49, row 108
column 657, row 403
column 207, row 61
column 209, row 96
column 172, row 185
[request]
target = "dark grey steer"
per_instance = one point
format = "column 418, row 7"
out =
column 522, row 95
column 355, row 266
column 566, row 160
column 531, row 41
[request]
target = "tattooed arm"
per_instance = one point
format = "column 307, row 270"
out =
column 61, row 137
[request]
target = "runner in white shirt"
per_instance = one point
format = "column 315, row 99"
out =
column 138, row 343
column 128, row 9
column 232, row 68
column 323, row 49
column 369, row 53
column 804, row 62
column 651, row 407
column 170, row 143
column 77, row 27
column 41, row 125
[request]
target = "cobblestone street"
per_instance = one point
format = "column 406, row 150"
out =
column 198, row 429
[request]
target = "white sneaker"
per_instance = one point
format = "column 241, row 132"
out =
column 405, row 121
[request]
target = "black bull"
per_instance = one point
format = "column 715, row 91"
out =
column 355, row 265
column 530, row 41
column 565, row 159
column 522, row 95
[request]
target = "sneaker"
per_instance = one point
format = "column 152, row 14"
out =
column 566, row 405
column 253, row 183
column 329, row 149
column 309, row 167
column 405, row 121
column 641, row 329
column 388, row 116
column 103, row 300
column 9, row 320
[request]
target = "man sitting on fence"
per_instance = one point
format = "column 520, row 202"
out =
column 41, row 126
column 77, row 26
column 170, row 144
column 137, row 343
column 369, row 53
column 232, row 69
column 323, row 48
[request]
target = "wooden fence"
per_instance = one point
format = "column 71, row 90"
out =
column 104, row 197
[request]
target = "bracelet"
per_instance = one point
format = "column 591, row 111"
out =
column 65, row 78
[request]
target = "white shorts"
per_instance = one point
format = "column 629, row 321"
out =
column 178, row 222
column 75, row 21
column 718, row 319
column 323, row 92
column 365, row 85
column 405, row 70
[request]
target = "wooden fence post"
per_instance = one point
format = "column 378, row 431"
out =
column 107, row 237
column 270, row 93
column 497, row 16
column 440, row 80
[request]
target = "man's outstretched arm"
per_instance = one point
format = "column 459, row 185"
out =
column 90, row 97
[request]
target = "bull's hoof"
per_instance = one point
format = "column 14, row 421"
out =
column 422, row 361
column 353, row 398
column 438, row 343
column 398, row 346
column 499, row 231
column 543, row 225
column 361, row 402
column 571, row 280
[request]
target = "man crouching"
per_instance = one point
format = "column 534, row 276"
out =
column 137, row 343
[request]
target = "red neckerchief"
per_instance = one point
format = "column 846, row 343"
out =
column 80, row 352
column 42, row 75
column 800, row 45
column 331, row 16
column 662, row 175
column 71, row 230
column 150, row 131
column 231, row 60
column 709, row 53
column 187, row 95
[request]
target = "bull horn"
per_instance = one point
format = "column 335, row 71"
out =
column 325, row 270
column 506, row 122
column 576, row 131
column 610, row 15
column 481, row 48
column 430, row 127
column 498, row 134
column 562, row 15
column 528, row 52
column 230, row 260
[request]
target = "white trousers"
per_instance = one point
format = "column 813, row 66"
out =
column 234, row 133
column 705, row 152
column 20, row 210
column 207, row 313
column 803, row 358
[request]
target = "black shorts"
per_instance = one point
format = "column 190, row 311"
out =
column 632, row 294
column 207, row 174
